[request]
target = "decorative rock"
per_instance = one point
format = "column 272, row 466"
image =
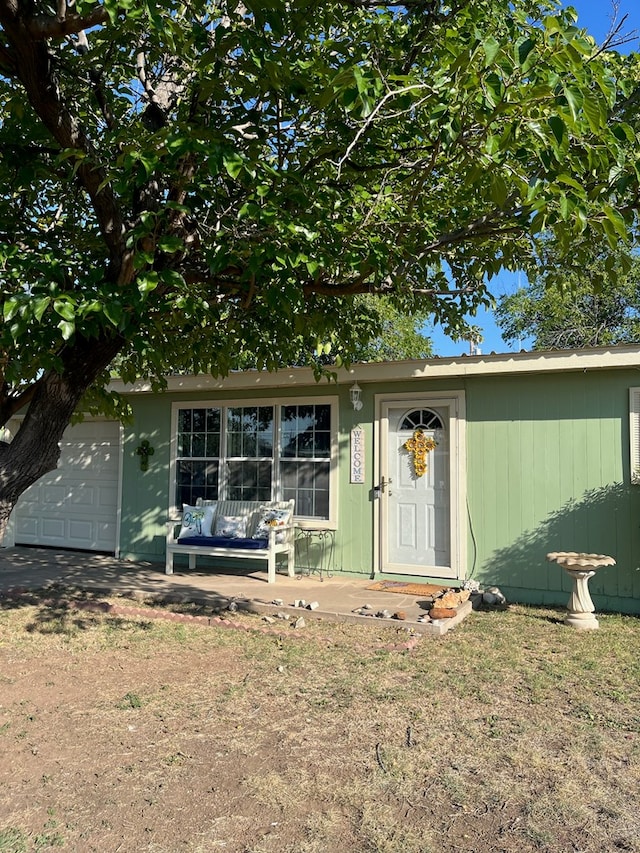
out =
column 278, row 602
column 424, row 617
column 313, row 605
column 299, row 602
column 299, row 623
column 453, row 599
column 232, row 606
column 400, row 614
column 383, row 614
column 492, row 595
column 281, row 615
column 442, row 612
column 269, row 619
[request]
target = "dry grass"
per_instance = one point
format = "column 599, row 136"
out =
column 512, row 733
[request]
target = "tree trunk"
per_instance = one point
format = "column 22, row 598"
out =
column 35, row 449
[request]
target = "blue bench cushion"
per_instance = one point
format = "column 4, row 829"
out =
column 224, row 542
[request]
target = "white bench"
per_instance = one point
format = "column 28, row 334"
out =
column 280, row 539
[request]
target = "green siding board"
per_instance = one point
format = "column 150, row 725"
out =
column 571, row 436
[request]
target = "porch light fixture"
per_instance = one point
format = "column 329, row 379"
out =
column 355, row 392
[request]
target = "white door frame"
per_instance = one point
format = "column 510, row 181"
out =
column 455, row 402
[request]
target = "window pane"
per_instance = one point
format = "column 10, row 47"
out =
column 199, row 420
column 213, row 420
column 249, row 481
column 250, row 431
column 234, row 444
column 196, row 480
column 198, row 431
column 322, row 444
column 249, row 444
column 197, row 444
column 308, row 484
column 323, row 417
column 213, row 445
column 305, row 431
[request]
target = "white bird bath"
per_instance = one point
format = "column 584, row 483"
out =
column 580, row 567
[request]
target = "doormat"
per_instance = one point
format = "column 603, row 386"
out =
column 430, row 589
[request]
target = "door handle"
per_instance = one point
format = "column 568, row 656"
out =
column 384, row 483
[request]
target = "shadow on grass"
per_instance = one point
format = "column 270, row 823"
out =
column 61, row 610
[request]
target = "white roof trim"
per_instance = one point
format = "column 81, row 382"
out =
column 601, row 358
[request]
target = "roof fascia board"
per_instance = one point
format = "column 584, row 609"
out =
column 397, row 371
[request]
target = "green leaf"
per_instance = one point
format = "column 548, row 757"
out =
column 574, row 99
column 113, row 313
column 169, row 244
column 617, row 220
column 594, row 111
column 558, row 128
column 491, row 48
column 40, row 306
column 523, row 49
column 67, row 329
column 65, row 309
column 147, row 282
column 233, row 163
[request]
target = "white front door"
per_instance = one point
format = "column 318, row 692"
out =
column 418, row 489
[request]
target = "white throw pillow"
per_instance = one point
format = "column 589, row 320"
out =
column 231, row 526
column 196, row 521
column 272, row 518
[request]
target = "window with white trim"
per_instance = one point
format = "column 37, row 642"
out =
column 257, row 452
column 634, row 434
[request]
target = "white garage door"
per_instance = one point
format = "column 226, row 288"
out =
column 76, row 506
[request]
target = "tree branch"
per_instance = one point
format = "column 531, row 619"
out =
column 42, row 27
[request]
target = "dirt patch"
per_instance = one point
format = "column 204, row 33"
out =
column 126, row 733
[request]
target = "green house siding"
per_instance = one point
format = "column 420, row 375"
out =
column 143, row 529
column 546, row 467
column 548, row 470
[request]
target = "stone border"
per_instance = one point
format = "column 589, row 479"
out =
column 108, row 609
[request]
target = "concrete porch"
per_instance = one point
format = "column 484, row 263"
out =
column 30, row 568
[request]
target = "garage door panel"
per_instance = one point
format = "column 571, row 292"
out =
column 107, row 498
column 81, row 531
column 76, row 505
column 51, row 497
column 26, row 528
column 53, row 528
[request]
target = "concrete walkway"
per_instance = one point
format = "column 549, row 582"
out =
column 26, row 568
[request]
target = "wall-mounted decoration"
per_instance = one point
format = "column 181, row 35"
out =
column 420, row 445
column 357, row 455
column 144, row 451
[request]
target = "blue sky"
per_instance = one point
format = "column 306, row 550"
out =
column 595, row 15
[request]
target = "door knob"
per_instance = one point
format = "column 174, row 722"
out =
column 384, row 483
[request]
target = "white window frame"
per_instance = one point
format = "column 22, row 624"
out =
column 277, row 402
column 634, row 435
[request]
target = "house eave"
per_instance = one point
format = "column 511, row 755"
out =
column 498, row 364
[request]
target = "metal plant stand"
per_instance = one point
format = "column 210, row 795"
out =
column 580, row 567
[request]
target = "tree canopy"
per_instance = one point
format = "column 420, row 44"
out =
column 580, row 313
column 183, row 182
